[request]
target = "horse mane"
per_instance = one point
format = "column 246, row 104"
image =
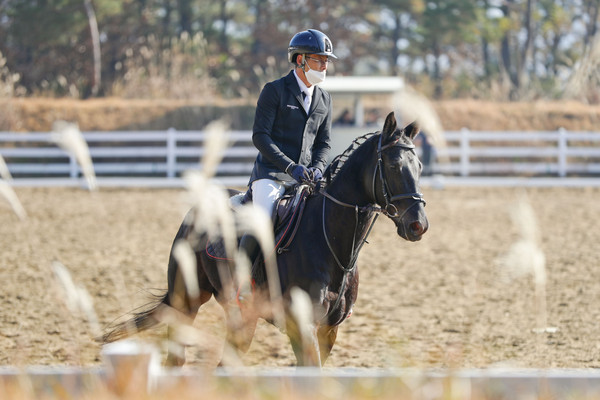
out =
column 338, row 162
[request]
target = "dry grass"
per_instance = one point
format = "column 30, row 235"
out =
column 38, row 114
column 495, row 116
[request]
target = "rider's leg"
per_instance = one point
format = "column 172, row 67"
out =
column 265, row 193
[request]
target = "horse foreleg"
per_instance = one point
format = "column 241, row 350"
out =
column 327, row 335
column 305, row 344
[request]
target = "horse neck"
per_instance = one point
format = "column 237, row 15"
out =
column 349, row 226
column 353, row 183
column 352, row 186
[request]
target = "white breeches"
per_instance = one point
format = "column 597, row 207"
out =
column 265, row 192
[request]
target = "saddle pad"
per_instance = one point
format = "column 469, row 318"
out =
column 216, row 250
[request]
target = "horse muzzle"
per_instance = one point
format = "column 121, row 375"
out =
column 413, row 223
column 413, row 231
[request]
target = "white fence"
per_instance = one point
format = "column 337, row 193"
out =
column 127, row 156
column 159, row 157
column 559, row 153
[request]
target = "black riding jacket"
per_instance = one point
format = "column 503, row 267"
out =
column 283, row 132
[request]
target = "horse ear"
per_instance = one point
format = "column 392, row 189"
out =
column 389, row 127
column 412, row 130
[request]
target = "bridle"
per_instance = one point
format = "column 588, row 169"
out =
column 390, row 210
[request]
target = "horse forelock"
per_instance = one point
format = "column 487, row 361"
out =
column 405, row 138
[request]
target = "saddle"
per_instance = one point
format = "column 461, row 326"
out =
column 286, row 217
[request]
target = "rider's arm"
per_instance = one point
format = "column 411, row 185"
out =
column 263, row 142
column 266, row 112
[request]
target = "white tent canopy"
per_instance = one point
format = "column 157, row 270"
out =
column 358, row 86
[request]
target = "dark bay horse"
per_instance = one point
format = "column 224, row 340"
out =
column 377, row 174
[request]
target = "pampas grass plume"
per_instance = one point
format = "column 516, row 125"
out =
column 11, row 197
column 68, row 136
column 76, row 298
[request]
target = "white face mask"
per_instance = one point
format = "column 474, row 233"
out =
column 315, row 77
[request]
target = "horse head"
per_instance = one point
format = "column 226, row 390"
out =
column 396, row 179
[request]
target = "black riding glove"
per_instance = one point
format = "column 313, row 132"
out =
column 299, row 172
column 317, row 175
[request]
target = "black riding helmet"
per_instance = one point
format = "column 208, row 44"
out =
column 311, row 41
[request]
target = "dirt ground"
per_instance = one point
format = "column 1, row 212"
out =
column 446, row 301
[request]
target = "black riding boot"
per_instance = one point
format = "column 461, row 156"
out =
column 249, row 245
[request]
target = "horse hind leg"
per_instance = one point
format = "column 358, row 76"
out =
column 182, row 311
column 241, row 321
column 180, row 318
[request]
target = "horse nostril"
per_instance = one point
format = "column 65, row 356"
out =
column 417, row 228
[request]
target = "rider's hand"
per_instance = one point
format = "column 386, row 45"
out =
column 317, row 175
column 299, row 172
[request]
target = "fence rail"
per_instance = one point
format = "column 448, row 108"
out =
column 124, row 154
column 558, row 153
column 165, row 155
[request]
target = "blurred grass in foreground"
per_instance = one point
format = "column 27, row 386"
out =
column 307, row 383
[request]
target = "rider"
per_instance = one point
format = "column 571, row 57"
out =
column 291, row 126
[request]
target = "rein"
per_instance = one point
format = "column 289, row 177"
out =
column 390, row 210
column 357, row 210
column 354, row 253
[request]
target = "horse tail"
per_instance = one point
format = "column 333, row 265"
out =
column 140, row 321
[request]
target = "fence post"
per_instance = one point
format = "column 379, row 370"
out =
column 562, row 152
column 464, row 152
column 171, row 147
column 73, row 167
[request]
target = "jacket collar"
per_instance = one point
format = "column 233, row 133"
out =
column 292, row 84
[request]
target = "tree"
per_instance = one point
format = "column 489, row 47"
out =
column 590, row 14
column 95, row 36
column 50, row 44
column 399, row 30
column 516, row 51
column 444, row 26
column 88, row 47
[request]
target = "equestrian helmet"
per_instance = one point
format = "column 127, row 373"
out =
column 311, row 41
